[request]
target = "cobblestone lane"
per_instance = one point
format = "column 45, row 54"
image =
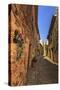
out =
column 43, row 72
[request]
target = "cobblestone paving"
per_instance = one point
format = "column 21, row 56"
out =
column 43, row 72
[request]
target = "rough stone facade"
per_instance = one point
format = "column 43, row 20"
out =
column 41, row 49
column 53, row 39
column 22, row 21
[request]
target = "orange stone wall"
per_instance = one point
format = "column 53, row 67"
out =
column 21, row 18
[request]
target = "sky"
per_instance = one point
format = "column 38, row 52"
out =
column 45, row 14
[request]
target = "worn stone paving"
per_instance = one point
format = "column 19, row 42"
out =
column 43, row 72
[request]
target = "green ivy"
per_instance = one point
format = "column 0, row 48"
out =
column 19, row 52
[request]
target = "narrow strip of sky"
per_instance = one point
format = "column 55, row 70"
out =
column 45, row 14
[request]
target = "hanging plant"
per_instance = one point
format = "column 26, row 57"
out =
column 15, row 39
column 18, row 39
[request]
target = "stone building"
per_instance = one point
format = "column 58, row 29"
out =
column 53, row 40
column 23, row 41
column 45, row 50
column 41, row 49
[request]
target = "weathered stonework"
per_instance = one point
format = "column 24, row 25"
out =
column 53, row 40
column 22, row 18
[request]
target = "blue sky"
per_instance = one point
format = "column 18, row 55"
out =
column 45, row 14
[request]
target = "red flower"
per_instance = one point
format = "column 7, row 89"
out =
column 20, row 35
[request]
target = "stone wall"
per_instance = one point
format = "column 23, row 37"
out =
column 23, row 21
column 53, row 40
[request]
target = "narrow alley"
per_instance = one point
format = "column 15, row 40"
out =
column 31, row 43
column 42, row 72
